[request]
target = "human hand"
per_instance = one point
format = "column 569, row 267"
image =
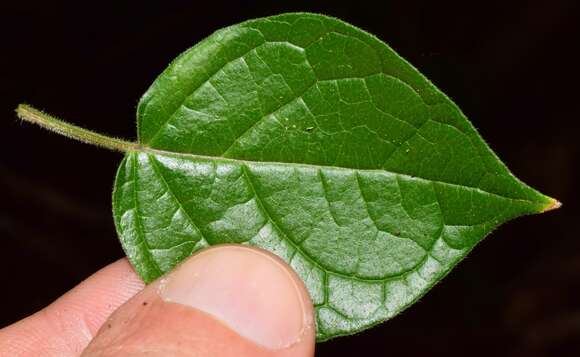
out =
column 227, row 300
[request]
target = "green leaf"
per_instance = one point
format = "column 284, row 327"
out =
column 311, row 138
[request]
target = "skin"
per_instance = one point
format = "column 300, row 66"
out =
column 112, row 313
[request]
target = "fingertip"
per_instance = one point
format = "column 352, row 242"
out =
column 227, row 300
column 249, row 289
column 67, row 326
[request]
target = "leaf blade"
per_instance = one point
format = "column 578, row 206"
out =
column 311, row 138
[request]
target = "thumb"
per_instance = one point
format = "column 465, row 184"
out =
column 224, row 301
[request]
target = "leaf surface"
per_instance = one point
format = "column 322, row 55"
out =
column 311, row 138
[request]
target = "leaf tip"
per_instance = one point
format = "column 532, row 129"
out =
column 552, row 205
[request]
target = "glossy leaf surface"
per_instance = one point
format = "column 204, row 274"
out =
column 313, row 139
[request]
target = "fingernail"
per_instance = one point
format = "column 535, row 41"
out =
column 251, row 291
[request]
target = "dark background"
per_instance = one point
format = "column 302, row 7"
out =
column 511, row 66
